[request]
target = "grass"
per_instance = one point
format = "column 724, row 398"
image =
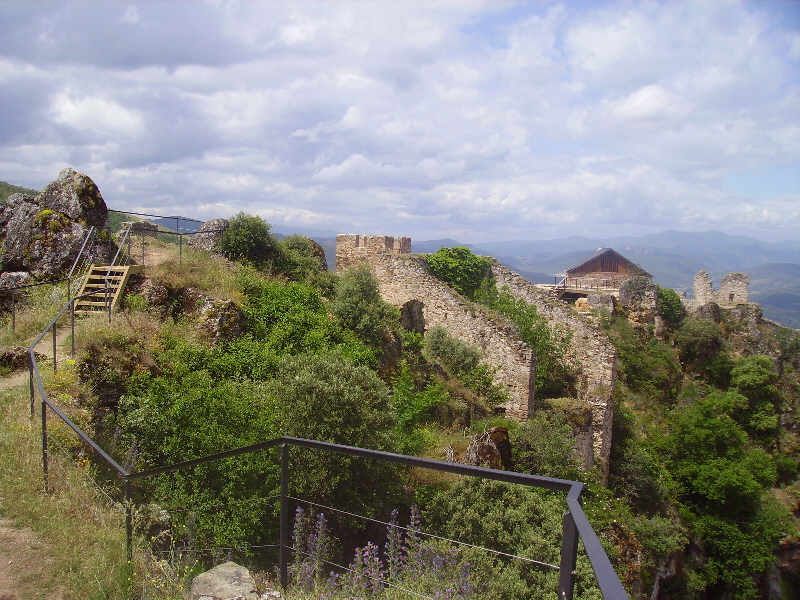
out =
column 82, row 530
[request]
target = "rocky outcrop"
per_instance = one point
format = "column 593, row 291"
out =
column 42, row 235
column 15, row 358
column 208, row 236
column 76, row 196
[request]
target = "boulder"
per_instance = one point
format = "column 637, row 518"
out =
column 43, row 235
column 221, row 319
column 76, row 196
column 227, row 581
column 209, row 234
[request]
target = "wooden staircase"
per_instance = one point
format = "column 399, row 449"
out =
column 96, row 280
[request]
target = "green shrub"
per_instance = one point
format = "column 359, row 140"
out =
column 670, row 307
column 248, row 239
column 359, row 307
column 413, row 406
column 456, row 356
column 543, row 446
column 460, row 268
column 325, row 397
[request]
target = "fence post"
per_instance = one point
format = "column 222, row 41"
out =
column 569, row 557
column 128, row 519
column 45, row 460
column 30, row 377
column 284, row 542
column 13, row 310
column 55, row 361
column 72, row 323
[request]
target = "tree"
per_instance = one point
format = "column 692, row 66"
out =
column 358, row 306
column 670, row 307
column 248, row 239
column 460, row 268
column 327, row 398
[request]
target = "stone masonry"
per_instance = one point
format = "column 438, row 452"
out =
column 589, row 348
column 405, row 282
column 732, row 290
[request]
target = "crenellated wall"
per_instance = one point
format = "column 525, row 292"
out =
column 405, row 282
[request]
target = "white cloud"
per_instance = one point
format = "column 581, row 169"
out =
column 100, row 115
column 485, row 120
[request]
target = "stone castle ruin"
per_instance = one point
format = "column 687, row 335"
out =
column 425, row 302
column 732, row 290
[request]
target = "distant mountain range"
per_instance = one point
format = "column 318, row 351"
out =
column 671, row 257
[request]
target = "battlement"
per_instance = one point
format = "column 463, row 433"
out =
column 352, row 248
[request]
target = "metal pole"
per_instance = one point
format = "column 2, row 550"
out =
column 180, row 249
column 30, row 371
column 55, row 362
column 72, row 320
column 128, row 520
column 45, row 460
column 569, row 557
column 142, row 245
column 13, row 310
column 283, row 557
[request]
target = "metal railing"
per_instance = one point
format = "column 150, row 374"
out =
column 575, row 524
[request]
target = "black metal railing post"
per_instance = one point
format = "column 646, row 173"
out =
column 45, row 459
column 128, row 520
column 55, row 344
column 72, row 323
column 569, row 557
column 283, row 557
column 30, row 377
column 13, row 311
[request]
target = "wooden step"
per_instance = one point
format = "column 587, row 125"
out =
column 98, row 278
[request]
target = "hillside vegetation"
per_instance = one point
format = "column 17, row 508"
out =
column 211, row 354
column 6, row 189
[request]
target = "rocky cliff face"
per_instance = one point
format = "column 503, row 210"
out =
column 42, row 235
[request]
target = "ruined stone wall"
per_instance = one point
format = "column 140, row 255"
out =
column 404, row 281
column 732, row 290
column 593, row 352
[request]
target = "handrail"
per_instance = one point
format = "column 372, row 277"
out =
column 89, row 234
column 575, row 523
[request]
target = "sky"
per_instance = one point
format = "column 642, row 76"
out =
column 477, row 121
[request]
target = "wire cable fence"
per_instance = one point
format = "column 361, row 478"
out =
column 576, row 526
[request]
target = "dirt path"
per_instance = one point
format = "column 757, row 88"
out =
column 25, row 563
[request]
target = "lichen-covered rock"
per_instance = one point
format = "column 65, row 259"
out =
column 639, row 296
column 221, row 319
column 76, row 196
column 43, row 235
column 208, row 236
column 227, row 581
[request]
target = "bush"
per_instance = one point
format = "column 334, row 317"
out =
column 324, row 397
column 702, row 347
column 670, row 307
column 543, row 446
column 358, row 306
column 456, row 356
column 247, row 239
column 460, row 268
